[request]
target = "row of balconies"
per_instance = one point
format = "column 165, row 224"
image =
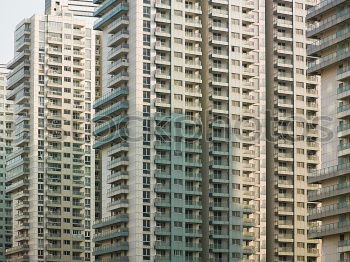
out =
column 328, row 60
column 325, row 24
column 329, row 191
column 111, row 234
column 329, row 229
column 108, row 17
column 105, row 249
column 321, row 7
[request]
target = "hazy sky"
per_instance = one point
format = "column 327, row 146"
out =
column 11, row 13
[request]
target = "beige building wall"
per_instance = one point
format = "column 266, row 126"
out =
column 51, row 173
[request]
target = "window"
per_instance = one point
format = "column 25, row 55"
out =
column 147, row 54
column 146, row 96
column 146, row 240
column 146, row 254
column 146, row 211
column 177, row 224
column 299, row 45
column 299, row 32
column 146, row 68
column 301, row 232
column 146, row 110
column 147, row 82
column 146, row 26
column 236, row 242
column 146, row 139
column 146, row 225
column 146, row 125
column 146, row 11
column 146, row 196
column 146, row 182
column 178, row 210
column 147, row 40
column 147, row 153
column 178, row 238
column 41, row 79
column 177, row 252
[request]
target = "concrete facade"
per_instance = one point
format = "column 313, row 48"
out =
column 330, row 27
column 292, row 132
column 51, row 172
column 6, row 126
column 181, row 131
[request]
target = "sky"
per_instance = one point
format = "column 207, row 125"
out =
column 11, row 13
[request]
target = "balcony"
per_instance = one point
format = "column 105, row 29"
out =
column 105, row 222
column 329, row 60
column 162, row 32
column 24, row 258
column 191, row 8
column 322, row 7
column 164, row 4
column 285, row 251
column 116, row 204
column 118, row 38
column 326, row 24
column 162, row 216
column 18, row 59
column 162, row 188
column 115, row 259
column 18, row 185
column 343, row 149
column 117, row 24
column 329, row 210
column 117, row 80
column 162, row 202
column 18, row 78
column 162, row 159
column 344, row 246
column 162, row 245
column 121, row 189
column 17, row 249
column 328, row 173
column 111, row 110
column 329, row 229
column 110, row 124
column 329, row 191
column 105, row 249
column 109, row 235
column 116, row 52
column 318, row 46
column 107, row 18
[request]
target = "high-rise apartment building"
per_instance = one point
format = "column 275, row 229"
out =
column 180, row 127
column 292, row 103
column 51, row 172
column 79, row 8
column 330, row 27
column 175, row 127
column 6, row 126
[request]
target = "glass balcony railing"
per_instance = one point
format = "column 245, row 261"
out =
column 328, row 228
column 319, row 6
column 112, row 13
column 330, row 58
column 330, row 19
column 329, row 190
column 329, row 208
